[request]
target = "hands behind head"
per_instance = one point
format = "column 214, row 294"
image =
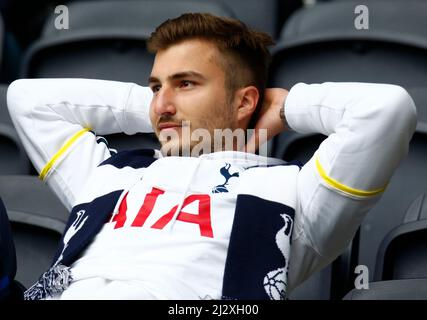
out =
column 269, row 118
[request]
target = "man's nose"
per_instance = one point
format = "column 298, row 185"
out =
column 164, row 102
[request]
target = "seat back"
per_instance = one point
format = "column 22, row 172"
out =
column 267, row 15
column 2, row 36
column 297, row 146
column 321, row 43
column 13, row 157
column 403, row 252
column 409, row 289
column 7, row 254
column 37, row 219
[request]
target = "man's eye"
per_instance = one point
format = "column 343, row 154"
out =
column 186, row 84
column 155, row 88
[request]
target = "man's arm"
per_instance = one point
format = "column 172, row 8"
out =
column 369, row 127
column 56, row 118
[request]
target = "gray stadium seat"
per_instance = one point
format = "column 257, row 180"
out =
column 401, row 269
column 10, row 50
column 320, row 43
column 37, row 218
column 2, row 34
column 403, row 252
column 24, row 18
column 7, row 259
column 409, row 289
column 267, row 15
column 13, row 158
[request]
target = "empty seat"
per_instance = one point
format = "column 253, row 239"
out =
column 38, row 219
column 403, row 252
column 10, row 49
column 7, row 255
column 410, row 289
column 13, row 157
column 401, row 269
column 2, row 34
column 267, row 15
column 24, row 19
column 321, row 43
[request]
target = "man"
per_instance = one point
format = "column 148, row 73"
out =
column 226, row 224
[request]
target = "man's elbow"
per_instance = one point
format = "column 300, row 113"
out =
column 17, row 94
column 402, row 108
column 16, row 86
column 398, row 112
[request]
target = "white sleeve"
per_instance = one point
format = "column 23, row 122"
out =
column 56, row 118
column 369, row 127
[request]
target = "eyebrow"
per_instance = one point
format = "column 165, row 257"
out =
column 179, row 75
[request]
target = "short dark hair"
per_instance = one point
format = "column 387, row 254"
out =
column 242, row 49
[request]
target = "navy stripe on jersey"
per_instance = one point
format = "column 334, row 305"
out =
column 99, row 139
column 253, row 251
column 85, row 221
column 136, row 159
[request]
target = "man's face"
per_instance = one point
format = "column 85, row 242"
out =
column 188, row 85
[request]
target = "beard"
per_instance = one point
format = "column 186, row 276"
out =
column 197, row 137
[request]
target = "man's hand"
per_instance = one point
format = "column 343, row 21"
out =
column 269, row 118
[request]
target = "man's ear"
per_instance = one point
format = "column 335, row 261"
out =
column 247, row 102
